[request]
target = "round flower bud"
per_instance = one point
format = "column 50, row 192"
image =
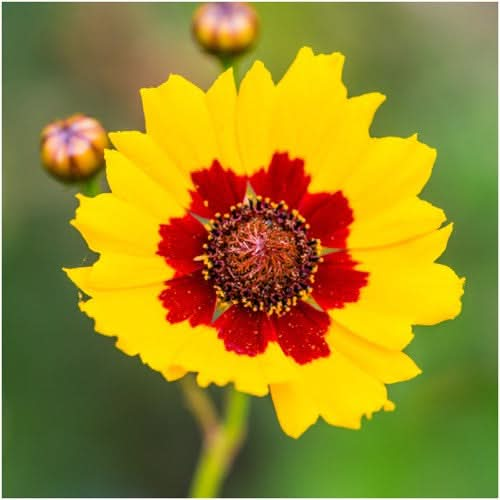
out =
column 73, row 149
column 225, row 29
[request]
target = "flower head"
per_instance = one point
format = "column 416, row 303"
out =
column 262, row 237
column 225, row 28
column 73, row 149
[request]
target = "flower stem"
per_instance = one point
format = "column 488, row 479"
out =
column 201, row 406
column 227, row 62
column 92, row 186
column 220, row 447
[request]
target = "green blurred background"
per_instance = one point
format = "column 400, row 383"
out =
column 81, row 419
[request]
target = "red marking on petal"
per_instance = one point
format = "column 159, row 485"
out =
column 181, row 241
column 244, row 331
column 285, row 179
column 216, row 190
column 329, row 217
column 189, row 296
column 300, row 333
column 337, row 281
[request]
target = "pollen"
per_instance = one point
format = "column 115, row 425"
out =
column 259, row 255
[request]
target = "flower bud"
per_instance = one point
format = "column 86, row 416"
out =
column 225, row 29
column 73, row 149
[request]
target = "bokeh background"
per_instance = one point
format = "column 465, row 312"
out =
column 81, row 419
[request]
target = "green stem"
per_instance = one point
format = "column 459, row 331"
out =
column 228, row 62
column 200, row 404
column 92, row 186
column 221, row 447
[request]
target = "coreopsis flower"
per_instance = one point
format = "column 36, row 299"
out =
column 72, row 149
column 262, row 237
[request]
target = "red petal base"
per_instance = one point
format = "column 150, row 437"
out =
column 301, row 332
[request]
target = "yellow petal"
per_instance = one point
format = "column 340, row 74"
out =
column 386, row 365
column 388, row 329
column 173, row 373
column 390, row 170
column 406, row 220
column 134, row 315
column 109, row 224
column 295, row 409
column 403, row 280
column 132, row 185
column 221, row 102
column 141, row 150
column 334, row 388
column 343, row 392
column 422, row 249
column 137, row 318
column 404, row 288
column 338, row 155
column 80, row 277
column 310, row 102
column 115, row 271
column 177, row 118
column 254, row 113
column 425, row 294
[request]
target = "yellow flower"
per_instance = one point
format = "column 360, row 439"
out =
column 262, row 237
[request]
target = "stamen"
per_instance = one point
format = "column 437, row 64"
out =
column 258, row 255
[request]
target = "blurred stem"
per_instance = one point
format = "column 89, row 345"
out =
column 92, row 186
column 201, row 405
column 221, row 446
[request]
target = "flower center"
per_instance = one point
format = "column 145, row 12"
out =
column 259, row 255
